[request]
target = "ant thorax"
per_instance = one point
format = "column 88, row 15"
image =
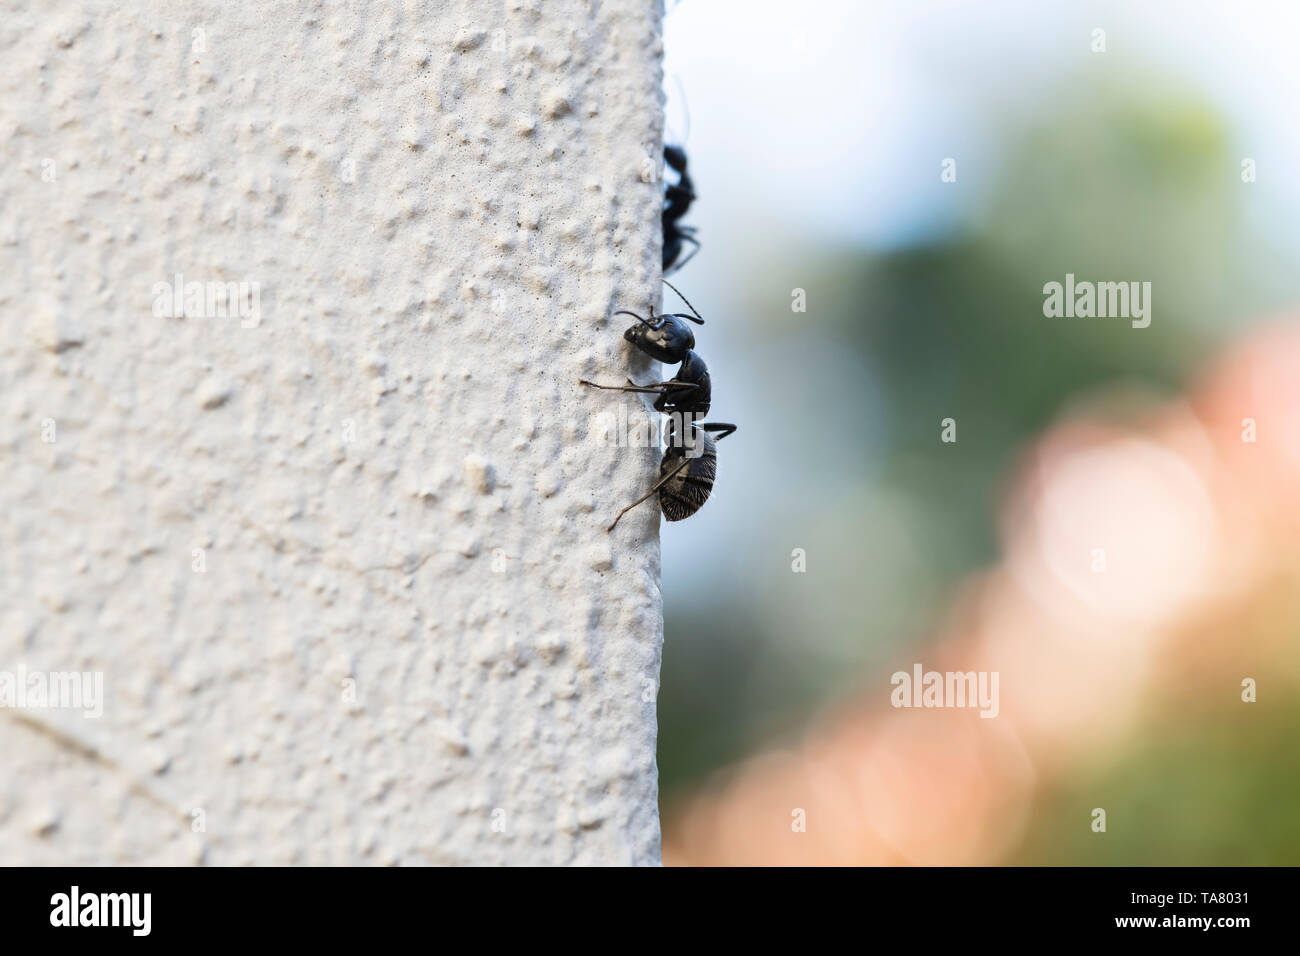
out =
column 682, row 439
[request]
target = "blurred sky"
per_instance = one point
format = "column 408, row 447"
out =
column 823, row 123
column 839, row 111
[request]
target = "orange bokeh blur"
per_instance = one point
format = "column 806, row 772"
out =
column 1190, row 508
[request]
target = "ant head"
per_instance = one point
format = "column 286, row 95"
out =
column 668, row 338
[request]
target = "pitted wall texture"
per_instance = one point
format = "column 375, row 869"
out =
column 338, row 551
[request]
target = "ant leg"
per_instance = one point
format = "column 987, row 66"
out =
column 695, row 242
column 699, row 319
column 667, row 386
column 658, row 484
column 653, row 390
column 723, row 428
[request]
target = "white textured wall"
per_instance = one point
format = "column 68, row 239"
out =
column 389, row 476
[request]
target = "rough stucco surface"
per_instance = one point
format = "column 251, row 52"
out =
column 410, row 624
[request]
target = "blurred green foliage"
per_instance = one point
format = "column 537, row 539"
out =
column 1221, row 788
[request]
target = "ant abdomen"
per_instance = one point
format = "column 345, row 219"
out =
column 688, row 487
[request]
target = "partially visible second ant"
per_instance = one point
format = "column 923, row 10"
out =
column 689, row 465
column 678, row 197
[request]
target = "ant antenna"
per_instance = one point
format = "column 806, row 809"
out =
column 686, row 107
column 686, row 114
column 635, row 316
column 699, row 319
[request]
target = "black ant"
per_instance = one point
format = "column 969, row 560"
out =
column 678, row 197
column 689, row 464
